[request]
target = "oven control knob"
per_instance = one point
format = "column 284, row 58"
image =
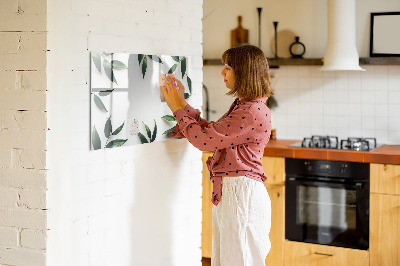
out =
column 343, row 168
column 308, row 166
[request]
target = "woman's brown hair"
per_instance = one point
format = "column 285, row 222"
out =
column 250, row 66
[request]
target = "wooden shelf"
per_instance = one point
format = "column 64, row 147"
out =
column 274, row 63
column 380, row 61
column 295, row 62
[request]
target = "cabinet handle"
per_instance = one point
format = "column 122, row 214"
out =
column 324, row 254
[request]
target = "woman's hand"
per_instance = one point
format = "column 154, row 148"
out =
column 181, row 91
column 173, row 91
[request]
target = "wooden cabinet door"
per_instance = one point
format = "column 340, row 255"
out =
column 206, row 232
column 385, row 178
column 384, row 236
column 277, row 233
column 304, row 254
column 274, row 168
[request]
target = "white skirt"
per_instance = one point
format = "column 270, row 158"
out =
column 241, row 223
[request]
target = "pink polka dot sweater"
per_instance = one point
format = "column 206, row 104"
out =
column 238, row 139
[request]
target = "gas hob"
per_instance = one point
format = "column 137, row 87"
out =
column 332, row 142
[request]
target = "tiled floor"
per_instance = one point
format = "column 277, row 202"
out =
column 206, row 261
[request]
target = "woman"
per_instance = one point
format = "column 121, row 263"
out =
column 241, row 213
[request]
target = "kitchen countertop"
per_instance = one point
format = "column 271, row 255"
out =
column 389, row 154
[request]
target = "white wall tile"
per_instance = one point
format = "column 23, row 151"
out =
column 292, row 82
column 342, row 96
column 394, row 97
column 329, row 109
column 380, row 71
column 342, row 122
column 381, row 83
column 367, row 99
column 382, row 136
column 381, row 123
column 394, row 82
column 394, row 136
column 367, row 96
column 394, row 123
column 368, row 122
column 381, row 97
column 342, row 109
column 354, row 80
column 291, row 71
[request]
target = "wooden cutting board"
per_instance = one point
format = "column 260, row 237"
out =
column 239, row 35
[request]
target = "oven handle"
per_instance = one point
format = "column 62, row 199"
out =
column 357, row 185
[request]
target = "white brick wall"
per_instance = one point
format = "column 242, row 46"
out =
column 33, row 239
column 136, row 205
column 23, row 132
column 9, row 237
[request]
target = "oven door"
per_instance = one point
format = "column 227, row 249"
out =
column 327, row 213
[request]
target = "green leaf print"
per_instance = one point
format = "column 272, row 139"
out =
column 183, row 66
column 105, row 93
column 97, row 60
column 116, row 143
column 109, row 71
column 169, row 118
column 189, row 82
column 147, row 130
column 176, row 58
column 144, row 66
column 118, row 129
column 153, row 137
column 108, row 128
column 96, row 142
column 140, row 58
column 142, row 138
column 155, row 58
column 99, row 103
column 116, row 64
column 167, row 132
column 172, row 69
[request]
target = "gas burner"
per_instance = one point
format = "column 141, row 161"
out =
column 327, row 142
column 332, row 142
column 358, row 144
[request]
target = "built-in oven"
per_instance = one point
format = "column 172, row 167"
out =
column 327, row 202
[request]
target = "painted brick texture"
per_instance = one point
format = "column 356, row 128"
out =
column 23, row 132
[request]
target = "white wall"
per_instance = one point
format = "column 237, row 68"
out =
column 344, row 103
column 305, row 18
column 23, row 133
column 135, row 205
column 311, row 102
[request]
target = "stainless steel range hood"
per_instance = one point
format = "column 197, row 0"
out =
column 341, row 51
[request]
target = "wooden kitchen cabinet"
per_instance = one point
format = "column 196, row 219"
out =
column 274, row 168
column 384, row 235
column 385, row 215
column 206, row 232
column 277, row 233
column 385, row 178
column 305, row 254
